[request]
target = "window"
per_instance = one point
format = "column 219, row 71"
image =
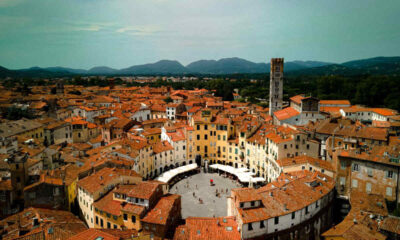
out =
column 205, row 136
column 369, row 172
column 389, row 191
column 133, row 219
column 285, row 146
column 97, row 220
column 368, row 187
column 262, row 225
column 125, row 216
column 354, row 183
column 108, row 225
column 389, row 174
column 198, row 127
column 355, row 167
column 101, row 222
column 276, row 220
column 342, row 165
column 205, row 127
column 198, row 137
column 253, row 203
column 293, row 215
column 306, row 209
column 250, row 227
column 241, row 205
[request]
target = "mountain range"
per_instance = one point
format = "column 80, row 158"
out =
column 378, row 65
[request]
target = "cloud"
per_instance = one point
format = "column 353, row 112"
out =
column 138, row 30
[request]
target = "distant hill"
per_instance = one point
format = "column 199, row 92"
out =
column 378, row 65
column 101, row 70
column 227, row 66
column 238, row 65
column 63, row 69
column 160, row 67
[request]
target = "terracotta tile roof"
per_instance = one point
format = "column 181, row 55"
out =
column 334, row 102
column 163, row 210
column 298, row 160
column 196, row 228
column 44, row 179
column 151, row 131
column 253, row 214
column 93, row 234
column 286, row 113
column 156, row 120
column 290, row 192
column 176, row 136
column 246, row 194
column 20, row 225
column 162, row 146
column 97, row 180
column 358, row 224
column 143, row 190
column 384, row 111
column 133, row 209
column 381, row 154
column 115, row 207
column 297, row 99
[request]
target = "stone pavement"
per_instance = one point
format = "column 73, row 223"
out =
column 212, row 205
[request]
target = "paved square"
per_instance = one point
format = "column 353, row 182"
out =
column 212, row 205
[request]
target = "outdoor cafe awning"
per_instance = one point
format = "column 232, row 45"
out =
column 168, row 175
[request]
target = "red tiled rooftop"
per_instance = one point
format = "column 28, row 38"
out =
column 286, row 113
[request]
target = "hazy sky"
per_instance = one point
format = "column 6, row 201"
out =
column 121, row 33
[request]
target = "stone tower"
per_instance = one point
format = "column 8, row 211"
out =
column 60, row 87
column 275, row 85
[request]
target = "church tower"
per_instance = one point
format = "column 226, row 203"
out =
column 275, row 85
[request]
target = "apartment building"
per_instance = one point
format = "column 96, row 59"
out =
column 295, row 206
column 373, row 169
column 126, row 205
column 95, row 186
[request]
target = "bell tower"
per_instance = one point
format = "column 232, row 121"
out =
column 275, row 85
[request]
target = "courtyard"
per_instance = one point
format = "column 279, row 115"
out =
column 211, row 206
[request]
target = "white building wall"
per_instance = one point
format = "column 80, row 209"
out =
column 286, row 221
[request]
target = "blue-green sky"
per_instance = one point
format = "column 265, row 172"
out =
column 121, row 33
